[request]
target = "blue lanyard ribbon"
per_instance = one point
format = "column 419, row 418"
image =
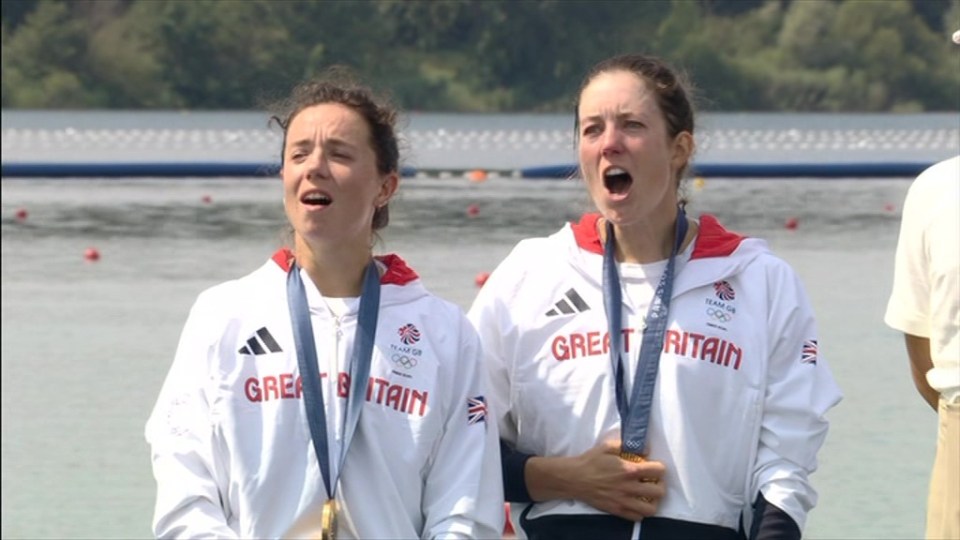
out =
column 635, row 414
column 359, row 368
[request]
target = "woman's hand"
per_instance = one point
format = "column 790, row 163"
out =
column 601, row 478
column 604, row 480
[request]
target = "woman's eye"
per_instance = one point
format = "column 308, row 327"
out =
column 591, row 130
column 633, row 124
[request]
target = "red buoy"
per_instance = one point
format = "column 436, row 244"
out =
column 91, row 254
column 21, row 214
column 207, row 199
column 481, row 278
column 478, row 175
column 473, row 210
column 791, row 223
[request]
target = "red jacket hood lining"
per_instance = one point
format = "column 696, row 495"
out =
column 397, row 272
column 712, row 241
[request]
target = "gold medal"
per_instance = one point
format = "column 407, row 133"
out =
column 329, row 520
column 630, row 456
column 637, row 458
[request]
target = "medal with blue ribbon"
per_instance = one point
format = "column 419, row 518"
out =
column 635, row 413
column 359, row 371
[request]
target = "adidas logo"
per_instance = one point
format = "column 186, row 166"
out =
column 564, row 307
column 260, row 346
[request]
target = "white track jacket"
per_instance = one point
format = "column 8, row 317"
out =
column 741, row 393
column 231, row 446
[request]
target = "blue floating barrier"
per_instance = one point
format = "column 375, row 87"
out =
column 768, row 170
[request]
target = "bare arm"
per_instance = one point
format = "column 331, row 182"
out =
column 918, row 349
column 600, row 478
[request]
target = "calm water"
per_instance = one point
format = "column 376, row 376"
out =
column 85, row 346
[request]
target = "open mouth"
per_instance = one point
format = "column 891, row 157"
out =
column 617, row 181
column 316, row 199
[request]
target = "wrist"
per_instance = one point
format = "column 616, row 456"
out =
column 550, row 478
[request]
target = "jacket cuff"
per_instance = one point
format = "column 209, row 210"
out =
column 772, row 523
column 512, row 465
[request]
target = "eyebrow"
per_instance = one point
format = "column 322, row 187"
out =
column 331, row 141
column 619, row 116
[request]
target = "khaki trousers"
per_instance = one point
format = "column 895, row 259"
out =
column 943, row 505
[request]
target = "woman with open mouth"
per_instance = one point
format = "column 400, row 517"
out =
column 327, row 394
column 654, row 375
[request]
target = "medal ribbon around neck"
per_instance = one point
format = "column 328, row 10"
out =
column 635, row 414
column 359, row 368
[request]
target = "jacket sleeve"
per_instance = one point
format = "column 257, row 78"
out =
column 909, row 305
column 463, row 496
column 484, row 315
column 772, row 523
column 180, row 434
column 800, row 390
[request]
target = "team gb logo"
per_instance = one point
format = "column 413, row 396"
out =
column 409, row 334
column 724, row 291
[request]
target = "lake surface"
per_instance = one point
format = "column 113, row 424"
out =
column 85, row 345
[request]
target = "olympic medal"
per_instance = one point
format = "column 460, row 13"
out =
column 636, row 458
column 630, row 456
column 329, row 520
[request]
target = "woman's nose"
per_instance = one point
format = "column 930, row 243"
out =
column 611, row 142
column 316, row 164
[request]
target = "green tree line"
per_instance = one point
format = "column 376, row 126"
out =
column 478, row 55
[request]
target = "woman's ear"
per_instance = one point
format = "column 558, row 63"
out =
column 389, row 186
column 682, row 150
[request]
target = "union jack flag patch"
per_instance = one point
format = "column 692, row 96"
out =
column 476, row 410
column 809, row 353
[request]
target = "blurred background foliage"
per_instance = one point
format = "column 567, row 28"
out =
column 478, row 55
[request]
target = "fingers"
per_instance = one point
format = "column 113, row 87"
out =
column 641, row 469
column 647, row 499
column 610, row 465
column 631, row 494
column 650, row 492
column 640, row 500
column 649, row 471
column 644, row 489
column 631, row 489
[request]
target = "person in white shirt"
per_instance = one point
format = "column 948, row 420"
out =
column 653, row 375
column 327, row 394
column 925, row 306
